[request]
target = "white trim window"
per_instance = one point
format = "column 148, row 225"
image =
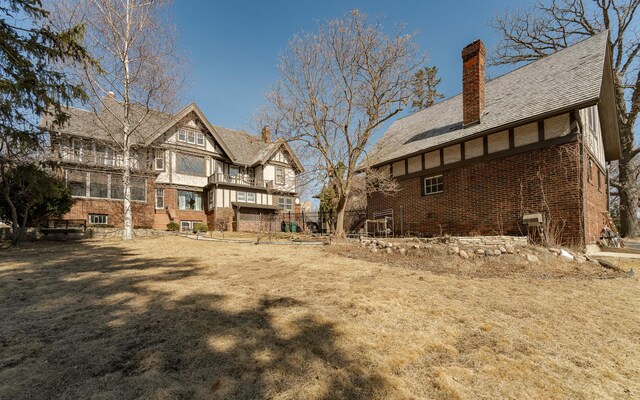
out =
column 285, row 203
column 251, row 197
column 98, row 185
column 433, row 185
column 191, row 136
column 138, row 188
column 159, row 160
column 189, row 164
column 210, row 198
column 77, row 183
column 98, row 219
column 279, row 176
column 241, row 197
column 159, row 199
column 76, row 149
column 188, row 200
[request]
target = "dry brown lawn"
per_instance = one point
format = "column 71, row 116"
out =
column 172, row 318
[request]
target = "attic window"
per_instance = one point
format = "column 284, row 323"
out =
column 190, row 137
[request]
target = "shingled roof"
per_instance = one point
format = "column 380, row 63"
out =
column 86, row 124
column 243, row 148
column 562, row 81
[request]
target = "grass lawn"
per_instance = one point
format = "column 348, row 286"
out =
column 174, row 318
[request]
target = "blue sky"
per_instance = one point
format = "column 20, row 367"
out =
column 232, row 46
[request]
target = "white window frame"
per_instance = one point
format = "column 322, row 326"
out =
column 188, row 223
column 241, row 197
column 191, row 137
column 98, row 219
column 282, row 181
column 200, row 139
column 76, row 146
column 251, row 197
column 159, row 195
column 285, row 203
column 159, row 157
column 186, row 207
column 86, row 182
column 192, row 156
column 182, row 135
column 432, row 183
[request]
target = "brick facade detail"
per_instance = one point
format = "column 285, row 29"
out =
column 490, row 197
column 473, row 83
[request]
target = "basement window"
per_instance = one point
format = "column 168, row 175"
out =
column 433, row 185
column 98, row 219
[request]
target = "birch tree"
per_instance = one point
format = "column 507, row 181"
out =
column 139, row 74
column 338, row 85
column 551, row 25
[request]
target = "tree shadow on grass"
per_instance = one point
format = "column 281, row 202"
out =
column 82, row 320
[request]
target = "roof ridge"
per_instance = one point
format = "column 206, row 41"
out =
column 546, row 57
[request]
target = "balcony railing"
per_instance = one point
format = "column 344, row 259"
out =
column 100, row 159
column 243, row 180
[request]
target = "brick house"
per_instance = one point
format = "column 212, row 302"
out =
column 537, row 140
column 185, row 170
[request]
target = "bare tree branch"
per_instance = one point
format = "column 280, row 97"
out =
column 337, row 86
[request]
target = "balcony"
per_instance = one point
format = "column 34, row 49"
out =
column 240, row 180
column 98, row 159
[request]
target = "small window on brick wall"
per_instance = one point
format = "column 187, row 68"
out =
column 590, row 171
column 433, row 185
column 98, row 219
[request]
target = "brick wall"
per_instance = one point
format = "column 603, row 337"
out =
column 595, row 199
column 142, row 212
column 490, row 197
column 171, row 201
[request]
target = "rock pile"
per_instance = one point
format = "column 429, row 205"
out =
column 456, row 248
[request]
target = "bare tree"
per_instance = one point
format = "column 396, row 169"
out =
column 337, row 86
column 139, row 74
column 548, row 26
column 425, row 88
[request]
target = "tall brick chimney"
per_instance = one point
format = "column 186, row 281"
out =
column 266, row 134
column 473, row 82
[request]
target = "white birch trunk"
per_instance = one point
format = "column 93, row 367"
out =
column 127, row 233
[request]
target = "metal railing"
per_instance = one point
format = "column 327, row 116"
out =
column 243, row 180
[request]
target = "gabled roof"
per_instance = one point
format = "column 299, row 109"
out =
column 272, row 150
column 85, row 123
column 251, row 149
column 241, row 147
column 192, row 108
column 562, row 81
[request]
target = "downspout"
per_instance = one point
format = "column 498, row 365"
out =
column 583, row 221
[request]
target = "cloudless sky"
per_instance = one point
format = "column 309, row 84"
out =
column 232, row 46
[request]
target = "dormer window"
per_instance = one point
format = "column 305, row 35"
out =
column 190, row 136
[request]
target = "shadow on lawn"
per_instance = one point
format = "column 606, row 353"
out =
column 82, row 320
